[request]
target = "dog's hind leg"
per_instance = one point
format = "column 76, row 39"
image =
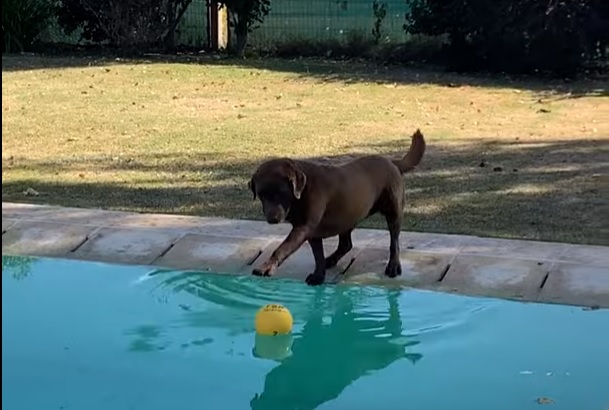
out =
column 319, row 275
column 391, row 209
column 344, row 246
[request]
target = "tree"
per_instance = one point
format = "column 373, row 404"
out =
column 127, row 24
column 23, row 21
column 245, row 17
column 518, row 36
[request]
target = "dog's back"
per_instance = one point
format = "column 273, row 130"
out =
column 352, row 191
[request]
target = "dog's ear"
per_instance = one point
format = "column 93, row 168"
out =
column 252, row 187
column 298, row 180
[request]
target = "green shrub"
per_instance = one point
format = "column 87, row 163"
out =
column 23, row 21
column 516, row 36
column 130, row 25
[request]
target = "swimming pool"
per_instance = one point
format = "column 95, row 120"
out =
column 83, row 335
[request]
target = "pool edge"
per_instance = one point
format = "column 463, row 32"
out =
column 521, row 270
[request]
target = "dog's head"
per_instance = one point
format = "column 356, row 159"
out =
column 277, row 184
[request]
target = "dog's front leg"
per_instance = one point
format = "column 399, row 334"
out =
column 298, row 235
column 319, row 275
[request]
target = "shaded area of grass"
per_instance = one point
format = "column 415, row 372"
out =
column 330, row 70
column 546, row 190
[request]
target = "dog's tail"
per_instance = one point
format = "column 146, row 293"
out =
column 417, row 148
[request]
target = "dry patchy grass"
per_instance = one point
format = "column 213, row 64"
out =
column 183, row 137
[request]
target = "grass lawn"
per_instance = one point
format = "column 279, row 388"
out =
column 183, row 136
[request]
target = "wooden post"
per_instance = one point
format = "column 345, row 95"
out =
column 217, row 17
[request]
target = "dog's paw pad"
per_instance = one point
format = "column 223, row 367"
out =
column 393, row 270
column 259, row 272
column 314, row 280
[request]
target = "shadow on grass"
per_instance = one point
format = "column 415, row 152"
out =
column 546, row 191
column 327, row 71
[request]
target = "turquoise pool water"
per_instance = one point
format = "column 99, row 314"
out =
column 81, row 335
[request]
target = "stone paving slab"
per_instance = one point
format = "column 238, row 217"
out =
column 586, row 255
column 577, row 284
column 81, row 216
column 7, row 223
column 128, row 246
column 512, row 248
column 243, row 229
column 419, row 269
column 576, row 274
column 213, row 253
column 301, row 263
column 421, row 241
column 495, row 276
column 22, row 211
column 44, row 238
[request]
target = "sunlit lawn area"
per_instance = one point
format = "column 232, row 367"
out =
column 506, row 159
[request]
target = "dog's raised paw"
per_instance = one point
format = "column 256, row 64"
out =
column 393, row 269
column 315, row 280
column 259, row 272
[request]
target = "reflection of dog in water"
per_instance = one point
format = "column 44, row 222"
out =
column 328, row 357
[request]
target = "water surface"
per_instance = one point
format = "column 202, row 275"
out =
column 83, row 335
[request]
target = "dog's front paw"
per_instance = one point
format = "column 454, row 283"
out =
column 266, row 269
column 315, row 279
column 393, row 269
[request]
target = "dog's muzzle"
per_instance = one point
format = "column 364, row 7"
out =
column 274, row 215
column 273, row 219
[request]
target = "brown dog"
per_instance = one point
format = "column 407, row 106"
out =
column 321, row 201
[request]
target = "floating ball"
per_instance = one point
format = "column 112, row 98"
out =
column 273, row 319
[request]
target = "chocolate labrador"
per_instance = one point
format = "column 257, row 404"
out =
column 321, row 201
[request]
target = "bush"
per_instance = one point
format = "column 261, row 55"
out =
column 127, row 24
column 354, row 45
column 23, row 21
column 516, row 36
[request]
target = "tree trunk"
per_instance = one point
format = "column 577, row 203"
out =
column 241, row 44
column 241, row 37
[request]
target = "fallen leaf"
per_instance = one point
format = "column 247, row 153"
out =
column 31, row 192
column 544, row 400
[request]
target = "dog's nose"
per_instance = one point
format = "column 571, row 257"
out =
column 274, row 219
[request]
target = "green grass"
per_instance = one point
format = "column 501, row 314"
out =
column 183, row 137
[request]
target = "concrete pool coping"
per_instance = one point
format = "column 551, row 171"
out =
column 510, row 269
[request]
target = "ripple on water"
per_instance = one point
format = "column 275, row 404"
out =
column 234, row 299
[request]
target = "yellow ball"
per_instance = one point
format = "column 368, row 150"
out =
column 273, row 319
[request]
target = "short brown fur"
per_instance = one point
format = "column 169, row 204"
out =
column 322, row 201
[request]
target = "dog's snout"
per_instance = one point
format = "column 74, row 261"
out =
column 273, row 219
column 274, row 214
